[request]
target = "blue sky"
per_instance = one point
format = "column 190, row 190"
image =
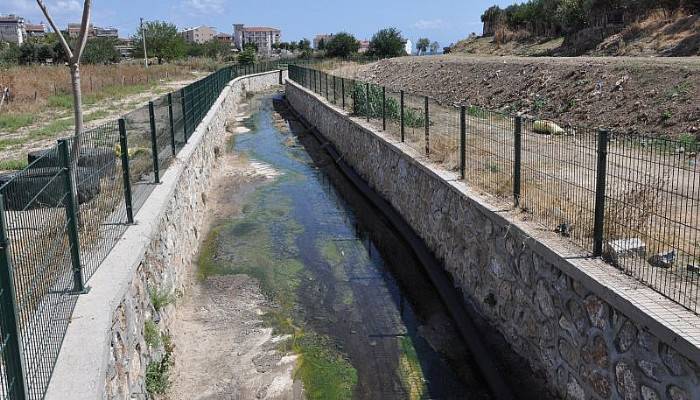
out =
column 441, row 20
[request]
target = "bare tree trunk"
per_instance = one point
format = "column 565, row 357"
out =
column 77, row 97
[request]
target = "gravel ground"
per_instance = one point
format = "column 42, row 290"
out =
column 637, row 95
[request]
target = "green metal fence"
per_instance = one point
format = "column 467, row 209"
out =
column 632, row 199
column 61, row 216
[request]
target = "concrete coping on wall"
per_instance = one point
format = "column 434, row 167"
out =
column 82, row 363
column 667, row 320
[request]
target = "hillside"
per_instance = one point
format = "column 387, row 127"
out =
column 659, row 34
column 657, row 96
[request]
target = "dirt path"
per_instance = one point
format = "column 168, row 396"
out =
column 222, row 349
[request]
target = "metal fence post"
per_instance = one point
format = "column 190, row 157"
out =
column 383, row 108
column 184, row 114
column 326, row 75
column 71, row 204
column 367, row 100
column 517, row 160
column 280, row 77
column 12, row 352
column 125, row 171
column 599, row 223
column 462, row 142
column 403, row 128
column 335, row 92
column 172, row 125
column 342, row 90
column 427, row 127
column 154, row 143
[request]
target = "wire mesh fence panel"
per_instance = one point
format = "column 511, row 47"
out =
column 442, row 143
column 652, row 214
column 178, row 120
column 392, row 113
column 414, row 121
column 101, row 210
column 140, row 154
column 489, row 151
column 559, row 179
column 164, row 136
column 40, row 253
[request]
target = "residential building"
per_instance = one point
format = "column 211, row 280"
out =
column 12, row 29
column 74, row 30
column 106, row 32
column 93, row 31
column 125, row 47
column 364, row 46
column 262, row 37
column 224, row 38
column 199, row 34
column 322, row 38
column 35, row 30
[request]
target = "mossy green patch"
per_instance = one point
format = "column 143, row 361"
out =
column 325, row 372
column 410, row 370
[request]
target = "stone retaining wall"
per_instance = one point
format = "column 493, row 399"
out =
column 105, row 354
column 591, row 331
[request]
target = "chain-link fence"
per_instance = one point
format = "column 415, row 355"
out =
column 632, row 199
column 61, row 216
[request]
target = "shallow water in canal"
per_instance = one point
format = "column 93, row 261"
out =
column 347, row 289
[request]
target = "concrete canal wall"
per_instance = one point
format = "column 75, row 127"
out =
column 593, row 332
column 106, row 351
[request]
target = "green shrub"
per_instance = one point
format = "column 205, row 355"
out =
column 160, row 299
column 151, row 334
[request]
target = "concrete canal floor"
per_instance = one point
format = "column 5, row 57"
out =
column 303, row 290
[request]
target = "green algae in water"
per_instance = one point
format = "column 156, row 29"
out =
column 410, row 370
column 325, row 372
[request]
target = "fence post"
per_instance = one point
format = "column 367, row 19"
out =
column 172, row 125
column 335, row 92
column 125, row 171
column 154, row 143
column 281, row 77
column 326, row 75
column 599, row 224
column 383, row 108
column 517, row 160
column 367, row 100
column 342, row 90
column 12, row 353
column 184, row 114
column 427, row 126
column 462, row 142
column 72, row 216
column 403, row 129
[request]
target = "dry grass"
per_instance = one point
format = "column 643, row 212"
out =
column 504, row 35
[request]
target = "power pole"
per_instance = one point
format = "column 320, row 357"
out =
column 143, row 36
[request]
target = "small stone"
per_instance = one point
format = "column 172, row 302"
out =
column 626, row 337
column 650, row 369
column 617, row 249
column 673, row 361
column 649, row 393
column 676, row 393
column 662, row 260
column 597, row 311
column 574, row 390
column 544, row 299
column 569, row 353
column 626, row 381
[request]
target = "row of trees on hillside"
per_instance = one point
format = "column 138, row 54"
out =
column 549, row 17
column 39, row 50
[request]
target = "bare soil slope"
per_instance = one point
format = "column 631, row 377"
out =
column 639, row 95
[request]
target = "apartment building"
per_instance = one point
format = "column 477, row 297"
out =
column 262, row 37
column 322, row 39
column 224, row 38
column 199, row 34
column 35, row 30
column 106, row 32
column 93, row 31
column 12, row 29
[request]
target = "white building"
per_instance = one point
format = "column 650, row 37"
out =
column 12, row 29
column 262, row 37
column 201, row 34
column 409, row 47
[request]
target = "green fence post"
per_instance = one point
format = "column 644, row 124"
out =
column 367, row 110
column 427, row 126
column 599, row 222
column 12, row 351
column 462, row 142
column 184, row 114
column 154, row 143
column 342, row 90
column 172, row 125
column 335, row 92
column 71, row 205
column 403, row 129
column 326, row 75
column 517, row 160
column 126, row 176
column 383, row 108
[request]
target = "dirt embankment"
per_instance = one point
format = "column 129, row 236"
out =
column 654, row 96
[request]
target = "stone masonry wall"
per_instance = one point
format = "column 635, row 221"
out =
column 586, row 347
column 164, row 269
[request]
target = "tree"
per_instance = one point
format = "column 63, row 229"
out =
column 434, row 47
column 321, row 44
column 44, row 52
column 422, row 45
column 342, row 45
column 247, row 56
column 9, row 54
column 216, row 49
column 304, row 44
column 387, row 43
column 101, row 51
column 162, row 41
column 27, row 53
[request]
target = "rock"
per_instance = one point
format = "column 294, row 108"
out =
column 662, row 260
column 617, row 249
column 547, row 128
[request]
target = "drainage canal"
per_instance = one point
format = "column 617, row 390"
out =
column 357, row 307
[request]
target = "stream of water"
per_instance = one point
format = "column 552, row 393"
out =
column 357, row 307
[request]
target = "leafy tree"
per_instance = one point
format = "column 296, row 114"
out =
column 321, row 44
column 247, row 56
column 27, row 53
column 101, row 51
column 195, row 50
column 387, row 42
column 216, row 49
column 162, row 41
column 434, row 47
column 422, row 45
column 9, row 54
column 342, row 45
column 251, row 46
column 304, row 44
column 44, row 52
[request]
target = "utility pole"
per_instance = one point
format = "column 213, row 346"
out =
column 143, row 36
